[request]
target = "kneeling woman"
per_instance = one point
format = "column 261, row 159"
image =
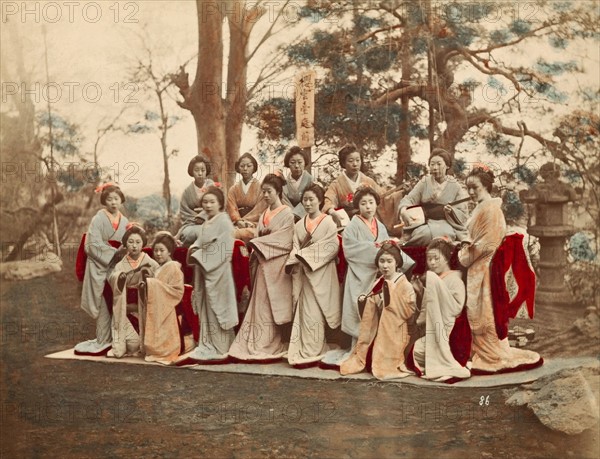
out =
column 260, row 335
column 131, row 271
column 384, row 320
column 214, row 298
column 160, row 295
column 443, row 298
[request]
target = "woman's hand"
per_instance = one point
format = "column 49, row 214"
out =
column 336, row 218
column 447, row 210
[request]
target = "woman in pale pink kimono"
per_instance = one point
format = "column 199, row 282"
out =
column 442, row 297
column 107, row 225
column 298, row 180
column 260, row 335
column 214, row 298
column 384, row 321
column 199, row 169
column 316, row 291
column 435, row 191
column 487, row 229
column 245, row 203
column 160, row 295
column 130, row 272
column 340, row 193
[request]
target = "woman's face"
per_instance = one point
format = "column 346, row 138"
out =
column 436, row 262
column 367, row 206
column 134, row 245
column 387, row 265
column 199, row 171
column 353, row 163
column 246, row 168
column 112, row 202
column 310, row 201
column 161, row 253
column 269, row 194
column 437, row 167
column 476, row 190
column 297, row 165
column 210, row 204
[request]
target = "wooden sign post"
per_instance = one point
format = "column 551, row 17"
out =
column 305, row 82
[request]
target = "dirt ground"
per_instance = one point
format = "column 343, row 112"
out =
column 54, row 408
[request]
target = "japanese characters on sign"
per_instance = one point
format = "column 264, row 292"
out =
column 305, row 108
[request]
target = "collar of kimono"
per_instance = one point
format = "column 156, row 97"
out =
column 444, row 274
column 270, row 214
column 395, row 277
column 371, row 224
column 311, row 225
column 113, row 219
column 135, row 263
column 293, row 182
column 246, row 186
column 351, row 183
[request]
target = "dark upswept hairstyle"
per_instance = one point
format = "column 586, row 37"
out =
column 108, row 190
column 444, row 245
column 393, row 249
column 346, row 151
column 198, row 159
column 248, row 156
column 485, row 176
column 442, row 154
column 165, row 238
column 364, row 191
column 318, row 191
column 218, row 193
column 135, row 229
column 294, row 151
column 276, row 182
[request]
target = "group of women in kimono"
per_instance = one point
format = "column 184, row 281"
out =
column 397, row 324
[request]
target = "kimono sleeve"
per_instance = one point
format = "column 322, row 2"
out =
column 96, row 247
column 486, row 235
column 232, row 207
column 415, row 197
column 279, row 241
column 323, row 250
column 215, row 246
column 357, row 250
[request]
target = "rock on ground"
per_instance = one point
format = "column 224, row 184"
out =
column 563, row 401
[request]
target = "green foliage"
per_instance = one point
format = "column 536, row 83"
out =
column 526, row 175
column 66, row 138
column 555, row 68
column 499, row 145
column 512, row 206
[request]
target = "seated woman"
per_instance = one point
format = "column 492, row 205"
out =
column 442, row 297
column 434, row 192
column 245, row 203
column 487, row 229
column 298, row 180
column 384, row 320
column 340, row 193
column 316, row 290
column 214, row 299
column 160, row 295
column 131, row 271
column 189, row 205
column 260, row 335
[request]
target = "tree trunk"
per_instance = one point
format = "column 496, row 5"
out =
column 236, row 99
column 403, row 144
column 206, row 103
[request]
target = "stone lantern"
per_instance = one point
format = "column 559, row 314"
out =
column 550, row 223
